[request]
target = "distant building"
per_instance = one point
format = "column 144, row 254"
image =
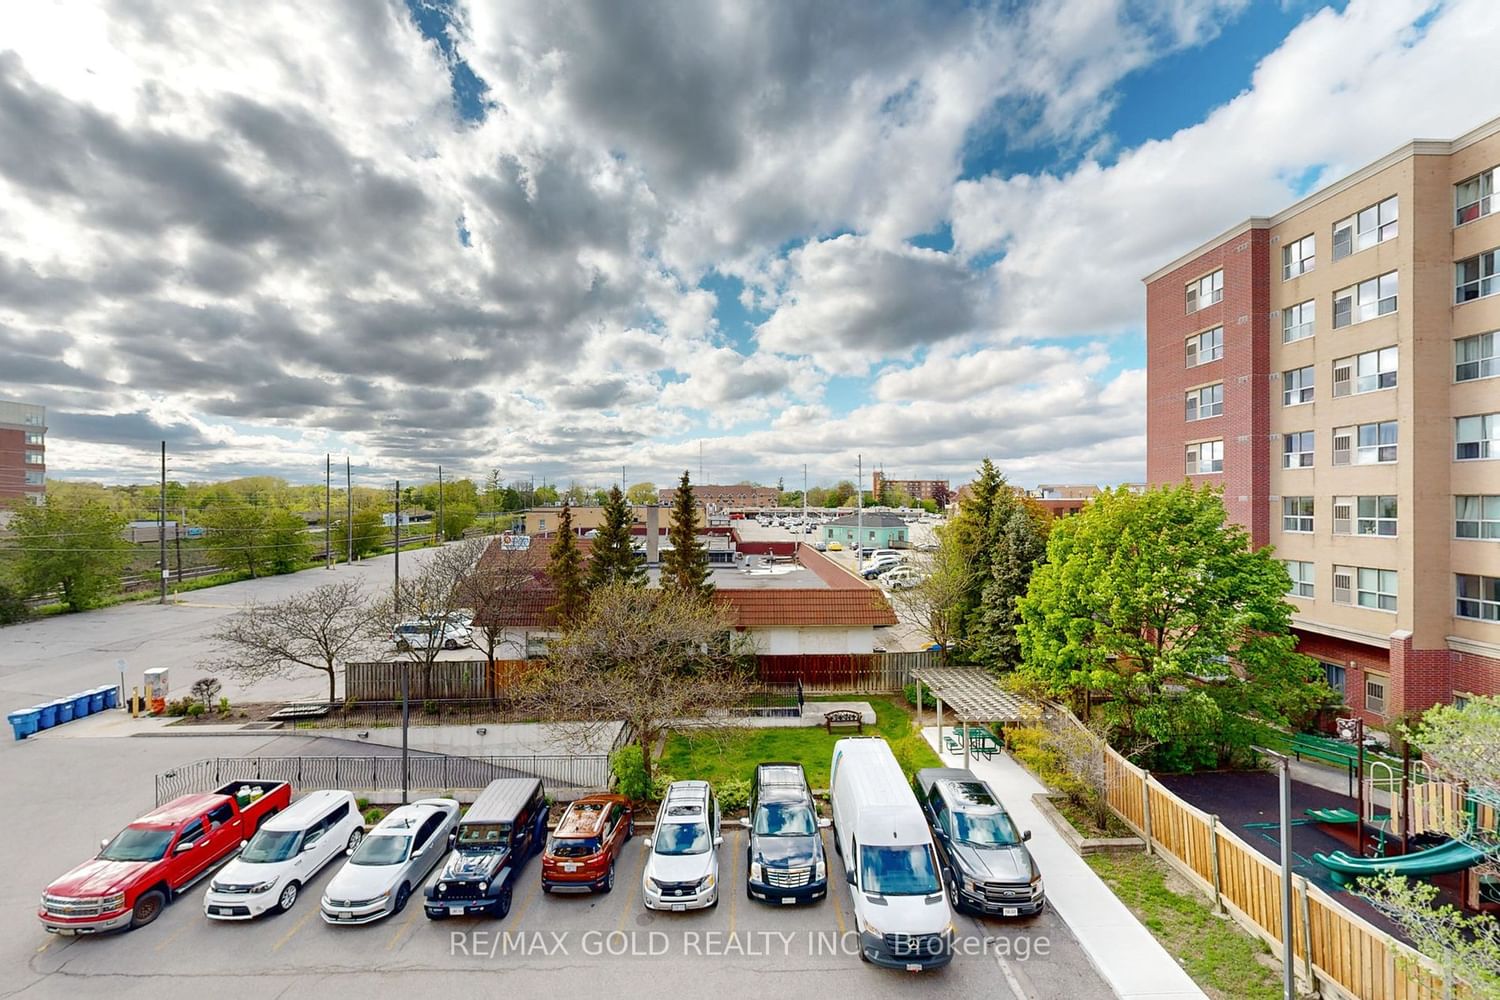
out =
column 735, row 497
column 23, row 451
column 1054, row 491
column 917, row 489
column 872, row 531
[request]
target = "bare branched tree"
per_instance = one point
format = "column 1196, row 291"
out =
column 936, row 604
column 494, row 586
column 433, row 596
column 317, row 629
column 647, row 656
column 1084, row 754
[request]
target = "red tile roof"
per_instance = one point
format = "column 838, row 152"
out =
column 792, row 607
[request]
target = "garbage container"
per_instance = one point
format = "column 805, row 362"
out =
column 80, row 704
column 112, row 696
column 23, row 723
column 47, row 715
column 64, row 710
column 96, row 700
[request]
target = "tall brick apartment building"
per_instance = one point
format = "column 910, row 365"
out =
column 1335, row 368
column 23, row 451
column 727, row 497
column 917, row 489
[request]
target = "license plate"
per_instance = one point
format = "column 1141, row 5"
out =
column 569, row 866
column 218, row 909
column 913, row 967
column 1010, row 911
column 679, row 907
column 457, row 908
column 346, row 915
column 787, row 901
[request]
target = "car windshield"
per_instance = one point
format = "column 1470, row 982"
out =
column 898, row 871
column 785, row 819
column 269, row 846
column 381, row 850
column 681, row 838
column 985, row 830
column 483, row 834
column 138, row 843
column 573, row 847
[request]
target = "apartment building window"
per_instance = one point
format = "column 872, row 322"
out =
column 1205, row 347
column 1366, row 300
column 1297, row 321
column 1474, row 198
column 1476, row 517
column 34, row 478
column 1375, row 588
column 32, row 437
column 1375, row 693
column 1366, row 444
column 1476, row 357
column 1477, row 437
column 1297, row 257
column 34, row 458
column 1335, row 674
column 1297, row 386
column 1303, row 575
column 1365, row 228
column 1475, row 278
column 1297, row 450
column 1204, row 457
column 1297, row 514
column 1478, row 597
column 1205, row 402
column 35, row 419
column 1375, row 515
column 1205, row 291
column 541, row 525
column 1367, row 372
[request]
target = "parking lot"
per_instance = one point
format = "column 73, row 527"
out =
column 554, row 942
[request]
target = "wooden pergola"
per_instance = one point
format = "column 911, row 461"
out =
column 972, row 694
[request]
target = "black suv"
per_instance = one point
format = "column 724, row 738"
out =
column 504, row 827
column 785, row 861
column 989, row 870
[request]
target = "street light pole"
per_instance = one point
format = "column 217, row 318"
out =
column 405, row 723
column 1288, row 970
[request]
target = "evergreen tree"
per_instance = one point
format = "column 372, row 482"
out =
column 979, row 525
column 612, row 558
column 684, row 567
column 1021, row 545
column 565, row 568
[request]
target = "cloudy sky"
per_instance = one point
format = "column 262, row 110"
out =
column 561, row 237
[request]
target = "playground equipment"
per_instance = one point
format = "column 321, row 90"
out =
column 1450, row 856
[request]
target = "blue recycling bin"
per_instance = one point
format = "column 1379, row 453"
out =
column 46, row 715
column 80, row 704
column 24, row 722
column 96, row 700
column 64, row 710
column 111, row 696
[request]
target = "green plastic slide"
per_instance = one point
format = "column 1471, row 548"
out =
column 1451, row 856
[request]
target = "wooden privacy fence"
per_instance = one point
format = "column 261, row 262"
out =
column 441, row 681
column 1337, row 952
column 838, row 673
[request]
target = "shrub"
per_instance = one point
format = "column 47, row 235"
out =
column 733, row 795
column 362, row 804
column 629, row 768
column 205, row 690
column 928, row 701
column 429, row 707
column 178, row 707
column 12, row 606
column 373, row 815
column 908, row 751
column 195, row 709
column 223, row 706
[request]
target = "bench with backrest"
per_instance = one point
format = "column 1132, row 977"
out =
column 844, row 718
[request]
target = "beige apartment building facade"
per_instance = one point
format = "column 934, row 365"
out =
column 1348, row 401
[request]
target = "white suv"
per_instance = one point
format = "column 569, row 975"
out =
column 419, row 633
column 283, row 856
column 682, row 863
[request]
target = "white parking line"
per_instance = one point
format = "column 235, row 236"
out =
column 1016, row 989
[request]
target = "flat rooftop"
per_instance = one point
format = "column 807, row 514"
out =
column 768, row 576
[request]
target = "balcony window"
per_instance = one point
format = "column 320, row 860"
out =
column 1205, row 291
column 1478, row 597
column 1297, row 450
column 1365, row 228
column 1474, row 198
column 1375, row 588
column 1297, row 257
column 1477, row 517
column 1367, row 372
column 34, row 478
column 35, row 458
column 1475, row 278
column 1477, row 437
column 1297, row 514
column 1303, row 575
column 1297, row 386
column 1298, row 321
column 1205, row 347
column 1366, row 300
column 1205, row 457
column 34, row 438
column 1476, row 357
column 1205, row 402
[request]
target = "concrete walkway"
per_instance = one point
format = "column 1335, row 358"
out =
column 1134, row 964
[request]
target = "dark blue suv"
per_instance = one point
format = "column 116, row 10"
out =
column 785, row 860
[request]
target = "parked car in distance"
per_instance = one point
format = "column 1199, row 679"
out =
column 988, row 868
column 283, row 856
column 877, row 555
column 422, row 632
column 895, row 890
column 582, row 852
column 390, row 862
column 155, row 859
column 682, row 860
column 900, row 578
column 784, row 857
column 835, row 547
column 876, row 567
column 498, row 834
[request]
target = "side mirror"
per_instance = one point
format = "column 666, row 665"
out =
column 718, row 841
column 745, row 822
column 183, row 847
column 849, row 875
column 244, row 844
column 309, row 845
column 824, row 823
column 103, row 843
column 1025, row 834
column 348, row 852
column 452, row 837
column 647, row 843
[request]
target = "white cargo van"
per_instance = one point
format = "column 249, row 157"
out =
column 891, row 864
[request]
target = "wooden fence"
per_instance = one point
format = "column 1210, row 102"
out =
column 444, row 680
column 1337, row 952
column 841, row 673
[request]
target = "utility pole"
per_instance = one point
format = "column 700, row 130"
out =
column 700, row 461
column 161, row 523
column 804, row 497
column 180, row 525
column 438, row 534
column 328, row 509
column 396, row 593
column 349, row 506
column 859, row 516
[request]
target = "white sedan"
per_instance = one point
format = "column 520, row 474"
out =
column 391, row 862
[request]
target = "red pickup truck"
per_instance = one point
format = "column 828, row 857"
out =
column 158, row 856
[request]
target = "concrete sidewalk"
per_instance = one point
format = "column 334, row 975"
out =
column 1126, row 955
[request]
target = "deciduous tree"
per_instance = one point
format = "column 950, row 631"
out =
column 642, row 494
column 936, row 604
column 75, row 548
column 369, row 531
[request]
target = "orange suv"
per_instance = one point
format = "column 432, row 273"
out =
column 582, row 851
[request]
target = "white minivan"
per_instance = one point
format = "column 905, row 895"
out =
column 900, row 907
column 288, row 850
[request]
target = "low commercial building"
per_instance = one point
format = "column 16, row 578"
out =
column 23, row 451
column 872, row 530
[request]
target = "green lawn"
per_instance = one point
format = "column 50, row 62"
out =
column 727, row 755
column 1219, row 956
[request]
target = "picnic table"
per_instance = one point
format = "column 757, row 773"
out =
column 981, row 741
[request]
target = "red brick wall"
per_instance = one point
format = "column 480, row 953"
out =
column 1419, row 678
column 1244, row 370
column 13, row 464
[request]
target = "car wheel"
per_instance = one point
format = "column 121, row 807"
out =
column 502, row 905
column 356, row 837
column 287, row 898
column 547, row 888
column 402, row 895
column 630, row 829
column 147, row 908
column 609, row 878
column 451, row 644
column 262, row 821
